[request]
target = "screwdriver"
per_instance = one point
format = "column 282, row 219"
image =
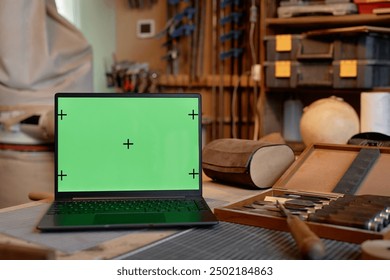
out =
column 309, row 244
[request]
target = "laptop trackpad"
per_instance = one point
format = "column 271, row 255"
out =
column 134, row 218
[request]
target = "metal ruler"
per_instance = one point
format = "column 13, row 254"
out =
column 357, row 171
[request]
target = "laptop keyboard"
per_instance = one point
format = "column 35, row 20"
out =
column 126, row 206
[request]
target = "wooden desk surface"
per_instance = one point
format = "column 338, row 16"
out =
column 216, row 194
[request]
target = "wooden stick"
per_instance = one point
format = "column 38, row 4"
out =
column 309, row 244
column 18, row 252
column 45, row 196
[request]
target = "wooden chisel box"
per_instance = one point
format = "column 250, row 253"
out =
column 319, row 174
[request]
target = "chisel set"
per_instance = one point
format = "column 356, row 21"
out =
column 339, row 192
column 369, row 212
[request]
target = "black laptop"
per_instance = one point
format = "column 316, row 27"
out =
column 127, row 161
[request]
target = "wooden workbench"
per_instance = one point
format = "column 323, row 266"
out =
column 216, row 194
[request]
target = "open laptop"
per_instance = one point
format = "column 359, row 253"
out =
column 127, row 160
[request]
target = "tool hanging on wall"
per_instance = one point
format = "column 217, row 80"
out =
column 172, row 50
column 180, row 26
column 194, row 43
column 242, row 57
column 253, row 22
column 221, row 72
column 202, row 8
column 132, row 77
column 230, row 55
column 214, row 46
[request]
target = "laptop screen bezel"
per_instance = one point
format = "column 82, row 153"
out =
column 124, row 194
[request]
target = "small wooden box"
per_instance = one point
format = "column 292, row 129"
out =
column 317, row 171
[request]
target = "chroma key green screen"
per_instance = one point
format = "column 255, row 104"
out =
column 128, row 143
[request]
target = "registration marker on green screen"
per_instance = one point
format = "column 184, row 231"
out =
column 127, row 143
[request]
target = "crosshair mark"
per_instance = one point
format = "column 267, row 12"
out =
column 193, row 173
column 128, row 143
column 193, row 114
column 62, row 175
column 61, row 115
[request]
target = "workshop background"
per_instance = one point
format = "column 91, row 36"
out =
column 301, row 71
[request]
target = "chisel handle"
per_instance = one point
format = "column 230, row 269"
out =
column 309, row 244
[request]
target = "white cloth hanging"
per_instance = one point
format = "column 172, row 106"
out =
column 41, row 53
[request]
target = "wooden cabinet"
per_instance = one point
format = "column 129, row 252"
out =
column 273, row 98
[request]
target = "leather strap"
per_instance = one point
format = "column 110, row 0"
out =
column 357, row 171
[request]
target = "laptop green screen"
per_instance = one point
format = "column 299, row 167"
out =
column 128, row 142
